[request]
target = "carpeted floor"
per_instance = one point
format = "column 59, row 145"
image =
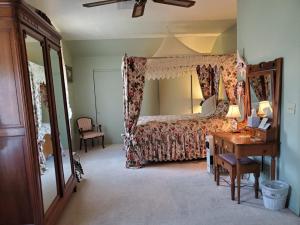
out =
column 161, row 194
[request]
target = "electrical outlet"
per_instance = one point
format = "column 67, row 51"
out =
column 291, row 108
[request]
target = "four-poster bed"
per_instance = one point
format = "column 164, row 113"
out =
column 172, row 138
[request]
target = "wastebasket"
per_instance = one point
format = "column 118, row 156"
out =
column 274, row 194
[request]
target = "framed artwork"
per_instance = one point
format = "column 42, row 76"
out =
column 69, row 72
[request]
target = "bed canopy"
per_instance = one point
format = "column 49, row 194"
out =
column 135, row 70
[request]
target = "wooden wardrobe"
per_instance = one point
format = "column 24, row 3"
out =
column 36, row 172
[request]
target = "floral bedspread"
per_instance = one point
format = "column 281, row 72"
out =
column 172, row 137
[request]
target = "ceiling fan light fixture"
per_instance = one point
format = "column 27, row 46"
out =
column 139, row 8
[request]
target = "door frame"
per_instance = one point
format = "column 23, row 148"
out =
column 101, row 69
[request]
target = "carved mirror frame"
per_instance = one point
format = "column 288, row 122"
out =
column 274, row 68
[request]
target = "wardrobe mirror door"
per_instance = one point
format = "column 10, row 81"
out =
column 39, row 90
column 61, row 114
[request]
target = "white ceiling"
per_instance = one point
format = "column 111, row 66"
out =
column 110, row 22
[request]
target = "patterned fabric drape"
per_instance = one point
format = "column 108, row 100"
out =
column 173, row 138
column 209, row 78
column 37, row 77
column 239, row 91
column 133, row 73
column 229, row 75
column 261, row 87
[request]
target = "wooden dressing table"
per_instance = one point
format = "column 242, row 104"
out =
column 263, row 84
column 243, row 145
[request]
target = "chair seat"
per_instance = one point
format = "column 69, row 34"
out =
column 92, row 134
column 231, row 159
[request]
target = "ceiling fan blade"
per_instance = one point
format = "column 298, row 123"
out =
column 105, row 2
column 139, row 8
column 180, row 3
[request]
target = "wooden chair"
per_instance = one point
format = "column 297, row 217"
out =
column 227, row 160
column 87, row 131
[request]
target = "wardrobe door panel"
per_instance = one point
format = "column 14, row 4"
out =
column 9, row 116
column 15, row 202
column 62, row 118
column 41, row 110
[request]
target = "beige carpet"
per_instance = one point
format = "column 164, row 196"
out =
column 162, row 194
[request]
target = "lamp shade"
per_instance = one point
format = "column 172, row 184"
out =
column 265, row 109
column 234, row 112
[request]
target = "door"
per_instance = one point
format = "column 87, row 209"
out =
column 109, row 104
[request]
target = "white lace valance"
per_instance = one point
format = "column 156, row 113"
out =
column 172, row 67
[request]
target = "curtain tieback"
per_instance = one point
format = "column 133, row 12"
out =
column 129, row 139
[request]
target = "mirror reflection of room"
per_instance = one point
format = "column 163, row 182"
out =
column 40, row 103
column 60, row 111
column 261, row 95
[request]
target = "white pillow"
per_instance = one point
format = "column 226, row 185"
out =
column 209, row 106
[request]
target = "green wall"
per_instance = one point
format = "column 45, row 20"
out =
column 83, row 92
column 226, row 42
column 268, row 29
column 68, row 60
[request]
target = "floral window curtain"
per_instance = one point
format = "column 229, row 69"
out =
column 133, row 80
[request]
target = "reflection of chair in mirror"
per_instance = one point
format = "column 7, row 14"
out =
column 87, row 131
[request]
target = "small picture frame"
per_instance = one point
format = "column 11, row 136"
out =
column 69, row 72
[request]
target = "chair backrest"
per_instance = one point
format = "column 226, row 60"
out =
column 85, row 123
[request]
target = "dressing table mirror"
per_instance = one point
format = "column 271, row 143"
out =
column 263, row 93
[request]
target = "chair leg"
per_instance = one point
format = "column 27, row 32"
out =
column 85, row 145
column 239, row 188
column 232, row 185
column 256, row 186
column 103, row 141
column 80, row 144
column 215, row 173
column 218, row 175
column 93, row 142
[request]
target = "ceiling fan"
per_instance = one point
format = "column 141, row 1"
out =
column 139, row 6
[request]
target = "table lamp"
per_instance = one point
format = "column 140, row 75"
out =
column 234, row 113
column 265, row 109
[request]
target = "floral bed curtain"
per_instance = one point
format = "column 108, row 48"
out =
column 261, row 87
column 229, row 76
column 206, row 77
column 37, row 81
column 209, row 77
column 133, row 73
